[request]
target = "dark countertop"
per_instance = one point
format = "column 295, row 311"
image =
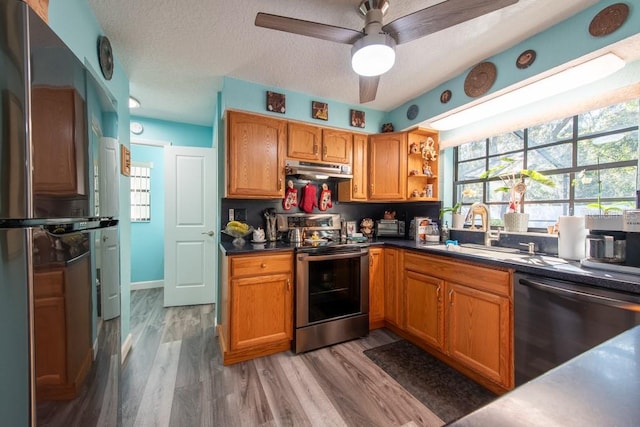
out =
column 546, row 266
column 600, row 387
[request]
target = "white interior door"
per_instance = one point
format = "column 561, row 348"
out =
column 109, row 246
column 190, row 244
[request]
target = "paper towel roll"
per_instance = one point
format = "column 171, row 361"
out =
column 571, row 237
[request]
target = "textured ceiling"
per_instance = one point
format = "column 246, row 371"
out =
column 176, row 52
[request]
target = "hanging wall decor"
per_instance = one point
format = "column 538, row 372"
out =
column 357, row 118
column 480, row 79
column 125, row 161
column 525, row 59
column 276, row 102
column 319, row 110
column 445, row 96
column 609, row 19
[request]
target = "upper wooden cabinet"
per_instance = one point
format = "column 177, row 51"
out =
column 255, row 156
column 59, row 135
column 387, row 166
column 356, row 189
column 314, row 143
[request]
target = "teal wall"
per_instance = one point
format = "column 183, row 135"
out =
column 147, row 238
column 249, row 96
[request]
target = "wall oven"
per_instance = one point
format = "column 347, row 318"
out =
column 332, row 295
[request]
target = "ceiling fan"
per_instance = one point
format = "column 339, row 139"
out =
column 373, row 51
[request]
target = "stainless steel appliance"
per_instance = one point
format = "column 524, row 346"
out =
column 313, row 170
column 60, row 362
column 332, row 295
column 557, row 320
column 389, row 228
column 332, row 282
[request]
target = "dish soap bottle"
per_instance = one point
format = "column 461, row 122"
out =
column 444, row 232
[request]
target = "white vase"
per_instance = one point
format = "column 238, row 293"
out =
column 517, row 222
column 457, row 220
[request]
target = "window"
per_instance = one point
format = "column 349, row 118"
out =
column 140, row 192
column 592, row 157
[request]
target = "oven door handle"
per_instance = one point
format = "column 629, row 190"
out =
column 307, row 257
column 582, row 296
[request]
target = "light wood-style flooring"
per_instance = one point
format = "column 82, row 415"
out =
column 174, row 376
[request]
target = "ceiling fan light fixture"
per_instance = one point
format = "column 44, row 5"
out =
column 373, row 54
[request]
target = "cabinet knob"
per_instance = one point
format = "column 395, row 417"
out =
column 438, row 293
column 263, row 265
column 451, row 297
column 315, row 148
column 279, row 184
column 355, row 188
column 289, row 285
column 324, row 150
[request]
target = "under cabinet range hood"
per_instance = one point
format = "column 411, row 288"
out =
column 310, row 170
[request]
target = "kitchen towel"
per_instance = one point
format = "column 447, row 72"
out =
column 571, row 237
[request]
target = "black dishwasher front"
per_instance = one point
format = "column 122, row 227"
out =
column 557, row 320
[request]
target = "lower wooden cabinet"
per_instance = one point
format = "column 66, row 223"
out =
column 462, row 312
column 256, row 306
column 376, row 288
column 393, row 289
column 62, row 328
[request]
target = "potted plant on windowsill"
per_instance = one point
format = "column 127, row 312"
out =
column 515, row 184
column 457, row 219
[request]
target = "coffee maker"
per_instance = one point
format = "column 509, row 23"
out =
column 614, row 240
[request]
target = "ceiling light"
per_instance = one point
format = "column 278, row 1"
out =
column 373, row 54
column 133, row 102
column 571, row 78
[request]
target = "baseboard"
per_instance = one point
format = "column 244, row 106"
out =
column 126, row 347
column 136, row 286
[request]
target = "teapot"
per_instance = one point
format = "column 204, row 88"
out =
column 295, row 235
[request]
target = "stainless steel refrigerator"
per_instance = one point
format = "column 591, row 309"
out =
column 59, row 362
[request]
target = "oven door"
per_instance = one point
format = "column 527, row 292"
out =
column 331, row 286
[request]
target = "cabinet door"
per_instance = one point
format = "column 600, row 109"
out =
column 356, row 188
column 423, row 307
column 255, row 156
column 261, row 310
column 376, row 288
column 337, row 146
column 393, row 287
column 50, row 341
column 478, row 334
column 59, row 139
column 304, row 141
column 387, row 166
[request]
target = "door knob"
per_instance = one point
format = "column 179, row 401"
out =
column 209, row 233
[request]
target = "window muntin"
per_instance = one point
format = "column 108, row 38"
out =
column 605, row 140
column 140, row 183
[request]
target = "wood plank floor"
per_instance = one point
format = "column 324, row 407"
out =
column 174, row 376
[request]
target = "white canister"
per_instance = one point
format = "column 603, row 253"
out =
column 572, row 235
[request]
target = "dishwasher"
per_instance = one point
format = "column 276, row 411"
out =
column 556, row 320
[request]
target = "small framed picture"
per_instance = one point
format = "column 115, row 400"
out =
column 319, row 110
column 125, row 161
column 276, row 102
column 357, row 118
column 351, row 228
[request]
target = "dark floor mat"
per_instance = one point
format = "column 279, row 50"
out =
column 445, row 391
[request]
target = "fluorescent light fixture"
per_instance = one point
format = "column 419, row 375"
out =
column 373, row 54
column 133, row 102
column 571, row 78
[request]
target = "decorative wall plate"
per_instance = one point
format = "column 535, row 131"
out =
column 412, row 112
column 480, row 79
column 445, row 96
column 609, row 19
column 105, row 57
column 525, row 59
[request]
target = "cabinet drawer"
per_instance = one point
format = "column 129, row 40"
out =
column 489, row 279
column 48, row 284
column 260, row 264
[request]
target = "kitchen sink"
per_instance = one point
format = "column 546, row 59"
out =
column 501, row 253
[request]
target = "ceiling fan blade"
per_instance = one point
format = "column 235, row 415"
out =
column 308, row 28
column 368, row 88
column 440, row 16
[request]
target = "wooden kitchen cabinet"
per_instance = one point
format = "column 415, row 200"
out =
column 355, row 189
column 463, row 312
column 376, row 288
column 255, row 156
column 256, row 306
column 393, row 289
column 62, row 328
column 314, row 143
column 59, row 135
column 387, row 166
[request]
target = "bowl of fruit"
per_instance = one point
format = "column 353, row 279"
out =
column 238, row 230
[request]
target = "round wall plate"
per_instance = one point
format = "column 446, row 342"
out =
column 445, row 96
column 480, row 79
column 525, row 59
column 412, row 112
column 609, row 19
column 136, row 128
column 105, row 57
